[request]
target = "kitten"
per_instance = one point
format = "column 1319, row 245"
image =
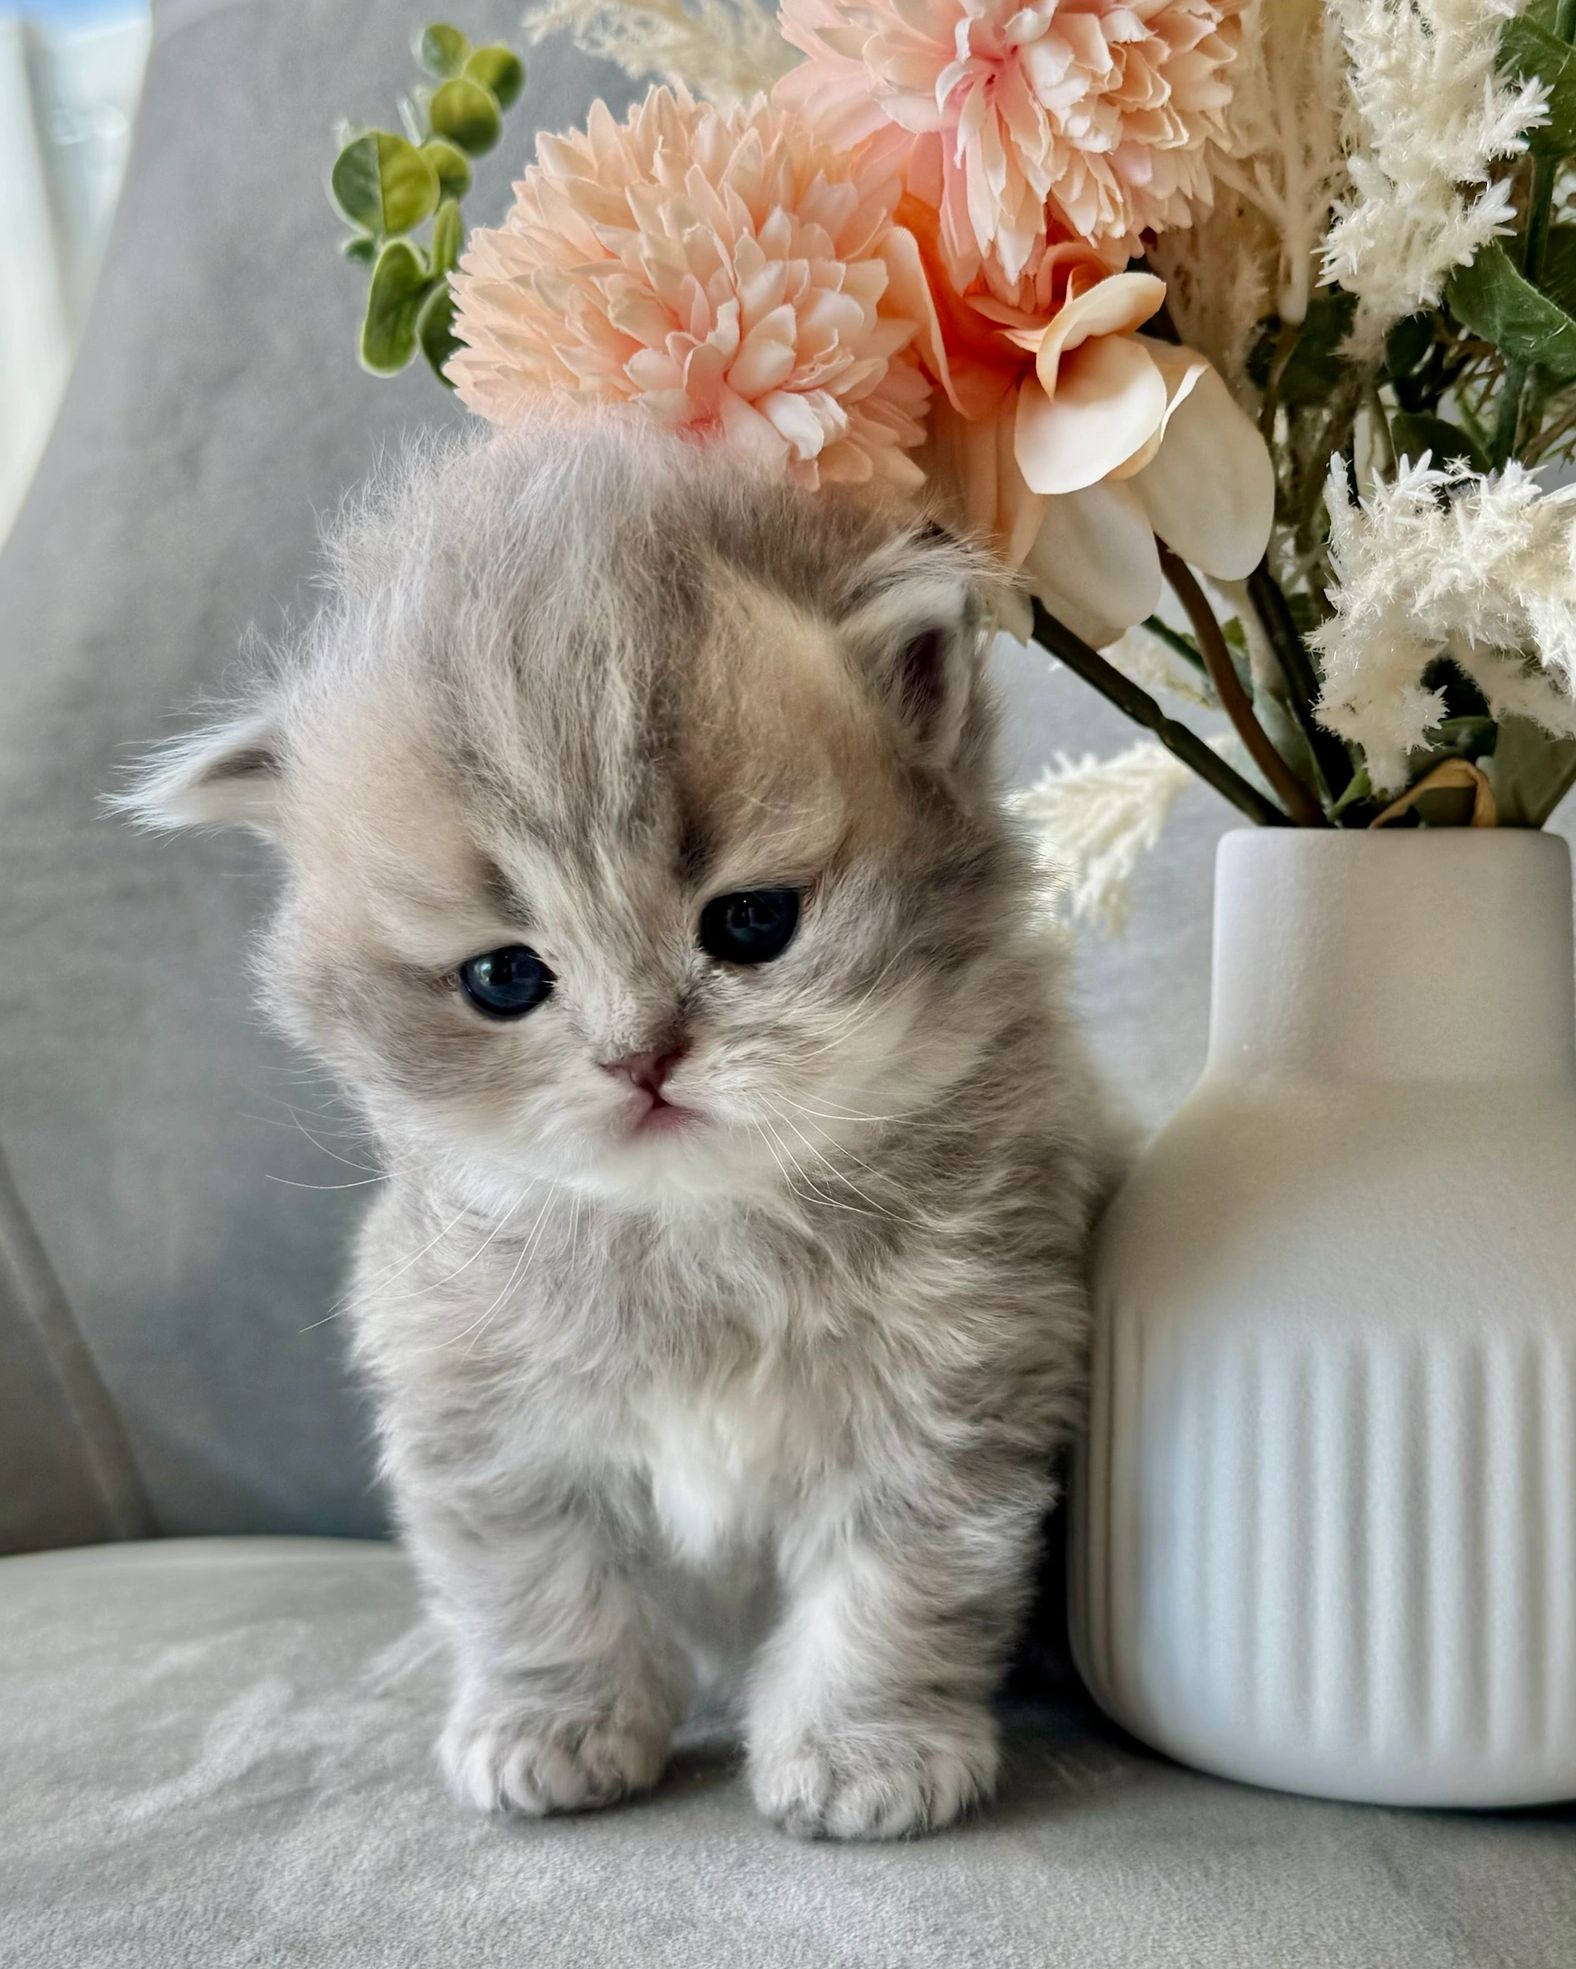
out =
column 649, row 883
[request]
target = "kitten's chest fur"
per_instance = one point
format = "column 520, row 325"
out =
column 729, row 1410
column 707, row 1369
column 720, row 1464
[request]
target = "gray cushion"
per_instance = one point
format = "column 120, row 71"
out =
column 217, row 1751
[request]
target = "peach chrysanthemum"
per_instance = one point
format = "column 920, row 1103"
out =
column 1102, row 110
column 720, row 267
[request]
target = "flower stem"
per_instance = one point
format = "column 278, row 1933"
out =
column 1303, row 808
column 1287, row 336
column 1136, row 703
column 1174, row 639
column 1302, row 682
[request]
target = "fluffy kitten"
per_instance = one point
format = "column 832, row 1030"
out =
column 648, row 882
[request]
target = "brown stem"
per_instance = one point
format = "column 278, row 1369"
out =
column 1235, row 702
column 1286, row 339
column 1136, row 703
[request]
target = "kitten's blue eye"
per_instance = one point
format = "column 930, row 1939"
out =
column 506, row 984
column 751, row 927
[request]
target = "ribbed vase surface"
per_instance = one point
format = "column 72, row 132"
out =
column 1325, row 1525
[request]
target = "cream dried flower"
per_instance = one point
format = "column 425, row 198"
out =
column 1095, row 117
column 1447, row 561
column 1140, row 654
column 1259, row 247
column 725, row 50
column 1219, row 285
column 1431, row 118
column 1094, row 819
column 723, row 269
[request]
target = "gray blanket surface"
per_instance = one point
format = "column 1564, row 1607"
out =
column 217, row 1752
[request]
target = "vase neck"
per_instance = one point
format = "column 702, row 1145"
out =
column 1441, row 954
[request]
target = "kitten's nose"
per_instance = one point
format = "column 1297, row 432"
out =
column 647, row 1071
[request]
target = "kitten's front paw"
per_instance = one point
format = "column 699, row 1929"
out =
column 503, row 1761
column 883, row 1782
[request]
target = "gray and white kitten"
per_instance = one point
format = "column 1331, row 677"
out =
column 649, row 883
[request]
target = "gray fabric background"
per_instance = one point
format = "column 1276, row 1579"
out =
column 217, row 1753
column 216, row 412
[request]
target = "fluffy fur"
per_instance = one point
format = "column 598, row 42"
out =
column 788, row 1378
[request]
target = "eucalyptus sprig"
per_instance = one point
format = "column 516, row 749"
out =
column 389, row 184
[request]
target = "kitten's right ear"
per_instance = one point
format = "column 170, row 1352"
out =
column 916, row 622
column 225, row 776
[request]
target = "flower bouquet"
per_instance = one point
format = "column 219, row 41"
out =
column 1244, row 333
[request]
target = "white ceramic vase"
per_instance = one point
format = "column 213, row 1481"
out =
column 1324, row 1530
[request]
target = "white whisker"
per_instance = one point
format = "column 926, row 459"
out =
column 848, row 1155
column 770, row 1137
column 289, row 1182
column 835, row 1113
column 837, row 1173
column 527, row 1247
column 378, row 1281
column 296, row 1123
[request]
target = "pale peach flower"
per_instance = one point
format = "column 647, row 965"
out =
column 1071, row 440
column 721, row 267
column 1099, row 113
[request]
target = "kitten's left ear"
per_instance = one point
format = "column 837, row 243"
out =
column 916, row 627
column 228, row 775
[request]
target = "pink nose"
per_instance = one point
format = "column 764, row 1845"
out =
column 647, row 1071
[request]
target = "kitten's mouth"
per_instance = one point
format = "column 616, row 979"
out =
column 657, row 1115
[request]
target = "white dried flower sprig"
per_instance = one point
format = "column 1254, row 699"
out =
column 1447, row 561
column 1431, row 119
column 1275, row 183
column 724, row 50
column 1140, row 654
column 1095, row 818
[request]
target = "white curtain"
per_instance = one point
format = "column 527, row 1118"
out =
column 66, row 104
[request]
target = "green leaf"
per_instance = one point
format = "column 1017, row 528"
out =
column 441, row 49
column 436, row 330
column 1314, row 368
column 499, row 69
column 361, row 248
column 1465, row 738
column 383, row 184
column 467, row 114
column 1417, row 431
column 1528, row 49
column 448, row 237
column 400, row 285
column 1495, row 301
column 1558, row 278
column 452, row 166
column 1305, row 613
column 1531, row 772
column 1359, row 787
column 1407, row 344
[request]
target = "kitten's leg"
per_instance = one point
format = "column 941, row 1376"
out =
column 568, row 1689
column 870, row 1710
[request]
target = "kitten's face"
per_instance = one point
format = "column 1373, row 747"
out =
column 656, row 858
